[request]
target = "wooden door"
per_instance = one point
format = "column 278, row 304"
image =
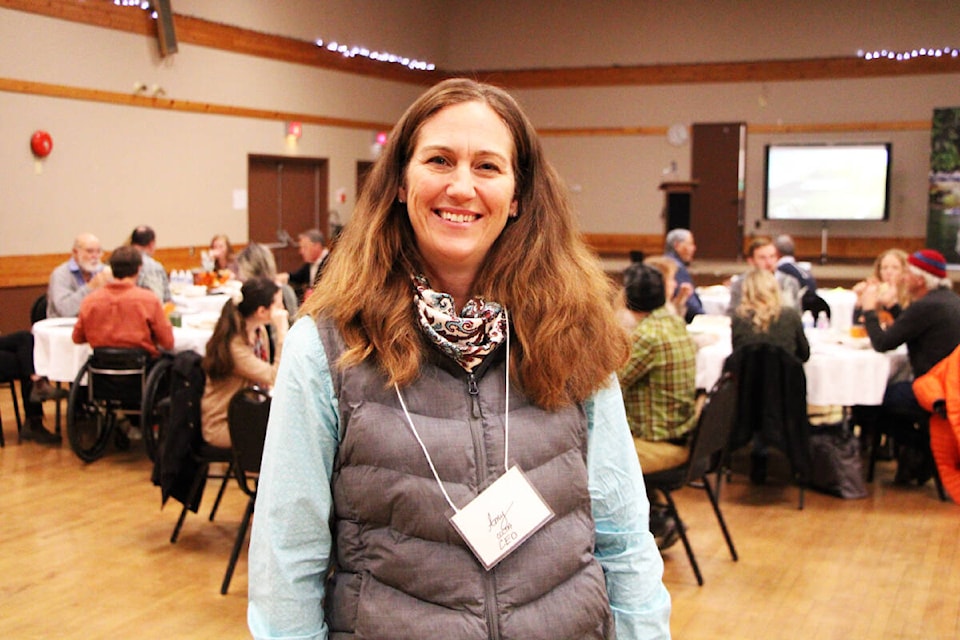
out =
column 286, row 196
column 716, row 205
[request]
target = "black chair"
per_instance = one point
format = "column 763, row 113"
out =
column 112, row 380
column 183, row 461
column 11, row 382
column 247, row 417
column 707, row 451
column 772, row 405
column 813, row 303
column 38, row 310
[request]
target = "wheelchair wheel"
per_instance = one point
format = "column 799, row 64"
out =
column 156, row 407
column 88, row 424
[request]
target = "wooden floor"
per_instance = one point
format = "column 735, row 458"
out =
column 85, row 553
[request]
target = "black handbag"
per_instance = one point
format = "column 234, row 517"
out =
column 837, row 468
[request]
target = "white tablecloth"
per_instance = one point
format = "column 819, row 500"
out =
column 200, row 304
column 716, row 299
column 841, row 301
column 56, row 356
column 840, row 369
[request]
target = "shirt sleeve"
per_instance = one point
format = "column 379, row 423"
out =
column 640, row 363
column 290, row 540
column 64, row 298
column 625, row 547
column 79, row 335
column 162, row 329
column 910, row 323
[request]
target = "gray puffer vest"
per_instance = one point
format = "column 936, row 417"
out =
column 401, row 571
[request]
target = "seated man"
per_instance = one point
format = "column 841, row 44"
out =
column 314, row 253
column 152, row 274
column 74, row 279
column 680, row 247
column 787, row 264
column 658, row 383
column 930, row 329
column 762, row 254
column 16, row 361
column 121, row 314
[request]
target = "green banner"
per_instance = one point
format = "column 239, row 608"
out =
column 943, row 220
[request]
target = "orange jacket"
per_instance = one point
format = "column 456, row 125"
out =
column 942, row 382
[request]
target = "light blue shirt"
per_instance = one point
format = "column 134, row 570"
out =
column 290, row 542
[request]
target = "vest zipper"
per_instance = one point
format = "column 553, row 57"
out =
column 490, row 595
column 474, row 392
column 489, row 583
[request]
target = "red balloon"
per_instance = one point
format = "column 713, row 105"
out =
column 41, row 144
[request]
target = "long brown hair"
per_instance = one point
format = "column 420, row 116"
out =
column 558, row 298
column 257, row 292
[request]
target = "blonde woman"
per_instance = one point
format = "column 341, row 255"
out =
column 761, row 317
column 892, row 296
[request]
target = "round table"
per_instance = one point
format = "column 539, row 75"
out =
column 56, row 356
column 716, row 301
column 841, row 370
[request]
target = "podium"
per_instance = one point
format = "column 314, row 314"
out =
column 676, row 204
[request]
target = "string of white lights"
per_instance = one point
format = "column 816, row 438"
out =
column 380, row 56
column 334, row 47
column 885, row 54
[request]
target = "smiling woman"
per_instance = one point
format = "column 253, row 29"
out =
column 433, row 377
column 458, row 194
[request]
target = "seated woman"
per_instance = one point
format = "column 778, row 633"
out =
column 761, row 318
column 257, row 261
column 888, row 271
column 239, row 355
column 221, row 251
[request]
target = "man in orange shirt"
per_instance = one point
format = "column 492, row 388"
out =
column 121, row 314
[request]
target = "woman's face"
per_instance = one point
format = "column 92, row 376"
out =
column 459, row 186
column 890, row 269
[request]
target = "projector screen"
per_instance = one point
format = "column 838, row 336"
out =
column 827, row 181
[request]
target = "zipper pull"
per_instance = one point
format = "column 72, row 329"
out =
column 472, row 388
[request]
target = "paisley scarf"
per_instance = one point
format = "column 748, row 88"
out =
column 467, row 337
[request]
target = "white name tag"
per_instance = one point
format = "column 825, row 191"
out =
column 502, row 517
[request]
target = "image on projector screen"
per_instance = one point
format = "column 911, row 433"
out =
column 827, row 182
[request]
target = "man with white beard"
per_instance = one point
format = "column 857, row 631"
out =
column 74, row 279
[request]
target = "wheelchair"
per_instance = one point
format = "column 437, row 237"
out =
column 115, row 380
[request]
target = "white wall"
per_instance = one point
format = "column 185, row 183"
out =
column 114, row 167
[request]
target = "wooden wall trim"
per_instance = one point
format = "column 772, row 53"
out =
column 841, row 248
column 13, row 85
column 719, row 72
column 103, row 13
column 34, row 270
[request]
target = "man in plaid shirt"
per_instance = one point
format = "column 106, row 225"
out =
column 658, row 382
